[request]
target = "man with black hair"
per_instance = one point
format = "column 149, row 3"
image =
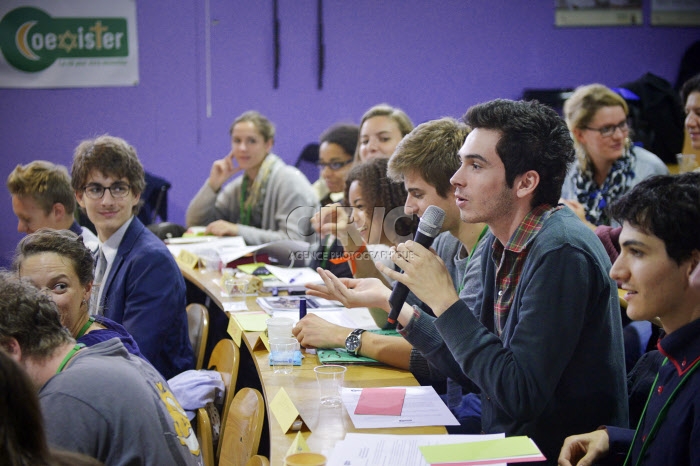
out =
column 660, row 248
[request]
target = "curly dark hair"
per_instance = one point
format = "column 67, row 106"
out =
column 668, row 207
column 533, row 137
column 30, row 317
column 111, row 156
column 380, row 191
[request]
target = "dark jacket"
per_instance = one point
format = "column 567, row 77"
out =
column 145, row 292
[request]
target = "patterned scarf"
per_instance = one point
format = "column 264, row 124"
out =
column 596, row 199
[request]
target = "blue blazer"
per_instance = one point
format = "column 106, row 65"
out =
column 145, row 292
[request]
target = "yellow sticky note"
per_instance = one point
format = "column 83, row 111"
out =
column 252, row 321
column 298, row 445
column 187, row 259
column 234, row 329
column 284, row 410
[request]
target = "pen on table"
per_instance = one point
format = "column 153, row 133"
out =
column 302, row 308
column 294, row 278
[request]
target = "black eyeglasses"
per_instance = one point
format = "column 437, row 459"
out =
column 609, row 130
column 333, row 165
column 97, row 191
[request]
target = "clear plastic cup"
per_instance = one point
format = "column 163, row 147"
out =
column 330, row 380
column 279, row 327
column 282, row 354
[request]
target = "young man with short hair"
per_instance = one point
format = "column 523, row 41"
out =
column 141, row 285
column 543, row 344
column 660, row 248
column 42, row 197
column 100, row 401
column 424, row 161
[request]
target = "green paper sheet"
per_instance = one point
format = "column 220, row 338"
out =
column 498, row 449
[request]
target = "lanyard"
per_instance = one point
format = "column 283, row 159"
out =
column 245, row 210
column 70, row 354
column 469, row 258
column 659, row 417
column 84, row 328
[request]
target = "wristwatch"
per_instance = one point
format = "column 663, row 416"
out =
column 353, row 341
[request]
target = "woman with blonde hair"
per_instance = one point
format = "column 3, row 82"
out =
column 381, row 129
column 608, row 165
column 266, row 203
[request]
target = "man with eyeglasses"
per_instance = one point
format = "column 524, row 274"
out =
column 137, row 282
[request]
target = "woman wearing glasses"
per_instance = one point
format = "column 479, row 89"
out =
column 335, row 157
column 266, row 203
column 608, row 165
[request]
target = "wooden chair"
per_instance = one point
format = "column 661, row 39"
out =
column 198, row 328
column 204, row 437
column 244, row 423
column 225, row 359
column 258, row 460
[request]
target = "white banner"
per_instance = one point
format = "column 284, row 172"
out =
column 68, row 43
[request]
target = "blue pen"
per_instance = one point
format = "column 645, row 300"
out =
column 294, row 278
column 302, row 308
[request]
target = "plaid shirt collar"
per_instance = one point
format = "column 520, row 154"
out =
column 509, row 261
column 528, row 229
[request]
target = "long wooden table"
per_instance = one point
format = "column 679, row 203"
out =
column 327, row 425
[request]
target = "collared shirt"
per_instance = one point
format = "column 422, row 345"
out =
column 109, row 249
column 509, row 261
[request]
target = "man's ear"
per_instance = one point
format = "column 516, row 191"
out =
column 59, row 211
column 12, row 348
column 526, row 183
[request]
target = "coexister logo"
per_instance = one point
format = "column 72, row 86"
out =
column 31, row 40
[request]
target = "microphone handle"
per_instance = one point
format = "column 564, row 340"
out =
column 397, row 298
column 400, row 291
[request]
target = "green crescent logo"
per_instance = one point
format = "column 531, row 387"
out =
column 31, row 40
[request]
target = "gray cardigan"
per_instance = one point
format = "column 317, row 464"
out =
column 558, row 368
column 288, row 205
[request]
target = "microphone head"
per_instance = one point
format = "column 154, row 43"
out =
column 431, row 221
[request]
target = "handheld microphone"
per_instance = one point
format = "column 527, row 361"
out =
column 428, row 228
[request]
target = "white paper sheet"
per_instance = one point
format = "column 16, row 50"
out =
column 296, row 275
column 422, row 406
column 391, row 450
column 351, row 318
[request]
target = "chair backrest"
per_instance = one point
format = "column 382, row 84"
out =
column 154, row 199
column 258, row 460
column 306, row 162
column 225, row 358
column 204, row 437
column 198, row 329
column 244, row 423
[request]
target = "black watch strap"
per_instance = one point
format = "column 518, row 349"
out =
column 353, row 341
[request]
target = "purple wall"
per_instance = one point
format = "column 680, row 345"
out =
column 431, row 58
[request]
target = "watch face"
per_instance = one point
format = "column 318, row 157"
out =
column 352, row 343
